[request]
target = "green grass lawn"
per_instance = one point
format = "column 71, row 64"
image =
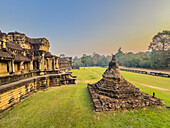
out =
column 71, row 106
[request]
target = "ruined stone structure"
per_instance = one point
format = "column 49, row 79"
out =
column 26, row 65
column 113, row 92
column 65, row 63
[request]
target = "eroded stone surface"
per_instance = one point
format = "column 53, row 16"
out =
column 113, row 92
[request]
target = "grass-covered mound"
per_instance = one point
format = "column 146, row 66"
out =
column 70, row 106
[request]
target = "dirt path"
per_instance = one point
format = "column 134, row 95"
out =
column 154, row 87
column 94, row 73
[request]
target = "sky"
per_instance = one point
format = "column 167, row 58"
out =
column 76, row 27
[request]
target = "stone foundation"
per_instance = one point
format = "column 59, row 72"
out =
column 15, row 92
column 102, row 101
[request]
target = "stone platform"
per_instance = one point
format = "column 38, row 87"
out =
column 14, row 92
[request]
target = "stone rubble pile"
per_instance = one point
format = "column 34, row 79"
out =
column 113, row 92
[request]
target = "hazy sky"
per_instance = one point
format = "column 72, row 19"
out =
column 75, row 27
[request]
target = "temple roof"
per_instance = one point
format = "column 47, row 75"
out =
column 19, row 57
column 37, row 57
column 35, row 40
column 48, row 55
column 12, row 33
column 5, row 54
column 62, row 60
column 2, row 35
column 13, row 45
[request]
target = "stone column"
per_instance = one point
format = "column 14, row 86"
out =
column 57, row 66
column 12, row 66
column 9, row 66
column 40, row 65
column 31, row 66
column 47, row 63
column 42, row 62
column 53, row 61
column 4, row 43
column 22, row 66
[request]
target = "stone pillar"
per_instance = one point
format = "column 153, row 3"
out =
column 31, row 66
column 40, row 65
column 12, row 66
column 48, row 64
column 42, row 62
column 22, row 66
column 57, row 65
column 53, row 63
column 4, row 44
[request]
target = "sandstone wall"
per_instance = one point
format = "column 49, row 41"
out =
column 26, row 67
column 3, row 70
column 17, row 67
column 17, row 91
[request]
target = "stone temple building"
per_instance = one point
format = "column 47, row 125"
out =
column 26, row 65
column 21, row 54
column 113, row 92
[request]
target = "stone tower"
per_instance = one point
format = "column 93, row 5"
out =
column 113, row 92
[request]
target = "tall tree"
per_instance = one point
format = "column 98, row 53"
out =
column 161, row 41
column 94, row 58
column 160, row 45
column 75, row 58
column 83, row 60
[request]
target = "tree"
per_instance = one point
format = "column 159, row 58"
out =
column 83, row 60
column 77, row 63
column 161, row 41
column 75, row 58
column 160, row 46
column 156, row 59
column 94, row 58
column 89, row 61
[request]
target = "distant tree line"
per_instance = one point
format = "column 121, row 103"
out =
column 157, row 58
column 92, row 60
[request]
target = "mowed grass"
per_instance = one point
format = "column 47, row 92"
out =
column 71, row 106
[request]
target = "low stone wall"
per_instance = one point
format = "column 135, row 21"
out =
column 146, row 72
column 15, row 77
column 15, row 92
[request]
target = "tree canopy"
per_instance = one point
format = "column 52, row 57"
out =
column 161, row 41
column 83, row 59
